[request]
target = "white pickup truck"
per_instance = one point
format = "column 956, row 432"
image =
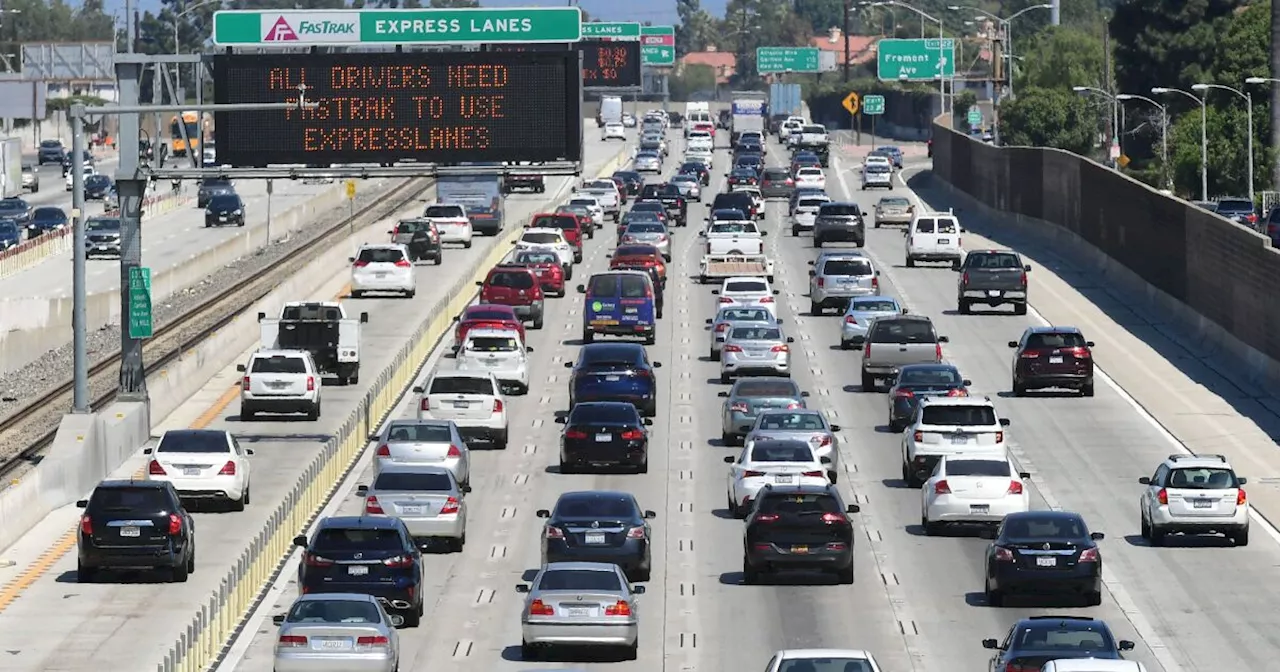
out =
column 734, row 237
column 451, row 221
column 321, row 328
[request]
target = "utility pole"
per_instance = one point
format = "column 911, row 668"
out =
column 1111, row 130
column 845, row 34
column 1275, row 93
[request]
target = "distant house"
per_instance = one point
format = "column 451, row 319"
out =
column 861, row 47
column 723, row 63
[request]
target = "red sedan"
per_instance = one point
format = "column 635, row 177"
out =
column 487, row 316
column 545, row 265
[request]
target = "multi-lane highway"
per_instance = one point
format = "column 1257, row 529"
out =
column 917, row 602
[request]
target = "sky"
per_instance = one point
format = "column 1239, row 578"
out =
column 656, row 11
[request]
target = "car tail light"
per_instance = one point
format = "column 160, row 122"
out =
column 866, row 349
column 1015, row 488
column 1252, row 217
column 964, row 279
column 1003, row 554
column 399, row 561
column 360, row 264
column 373, row 641
column 540, row 608
column 619, row 608
column 767, row 517
column 731, row 348
column 849, row 319
column 1241, row 498
column 821, row 440
column 790, row 182
column 575, row 434
column 1163, row 497
column 156, row 469
column 780, row 348
column 904, row 394
column 403, row 263
column 86, row 524
column 767, row 299
column 498, row 406
column 314, row 560
column 941, row 488
column 918, row 436
column 383, row 451
column 454, row 451
column 833, row 518
column 554, row 532
column 635, row 533
column 958, row 392
column 244, row 383
column 1023, row 279
column 228, row 469
column 739, row 407
column 632, row 435
column 875, row 283
column 822, row 282
column 752, row 474
column 175, row 524
column 722, row 327
column 1030, row 354
column 425, row 404
column 937, row 352
column 999, row 437
column 451, row 505
column 725, row 299
column 1089, row 555
column 814, row 474
column 311, row 383
column 291, row 641
column 1016, row 667
column 1080, row 352
column 371, row 505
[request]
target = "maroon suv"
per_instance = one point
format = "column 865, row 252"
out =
column 515, row 286
column 1052, row 357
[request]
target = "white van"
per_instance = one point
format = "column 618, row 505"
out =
column 934, row 236
column 1092, row 665
column 610, row 110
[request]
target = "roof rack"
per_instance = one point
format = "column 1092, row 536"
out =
column 1179, row 456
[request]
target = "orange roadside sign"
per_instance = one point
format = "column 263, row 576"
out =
column 851, row 102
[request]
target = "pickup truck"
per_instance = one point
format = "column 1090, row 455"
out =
column 669, row 194
column 524, row 182
column 716, row 267
column 321, row 328
column 606, row 192
column 740, row 237
column 992, row 278
column 896, row 341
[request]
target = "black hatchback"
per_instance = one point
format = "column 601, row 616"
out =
column 798, row 527
column 135, row 524
column 1043, row 553
column 371, row 555
column 604, row 434
column 224, row 210
column 1034, row 641
column 599, row 526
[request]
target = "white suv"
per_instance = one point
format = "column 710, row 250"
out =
column 383, row 267
column 1194, row 494
column 471, row 399
column 279, row 381
column 950, row 426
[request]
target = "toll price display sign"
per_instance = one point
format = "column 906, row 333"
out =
column 383, row 108
column 610, row 63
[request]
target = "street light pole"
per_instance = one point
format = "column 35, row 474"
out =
column 1164, row 130
column 1204, row 135
column 1262, row 80
column 1115, row 106
column 1248, row 101
column 1006, row 26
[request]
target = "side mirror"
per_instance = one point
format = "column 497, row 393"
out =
column 966, row 382
column 649, row 515
column 362, row 490
column 776, row 292
column 364, row 318
column 637, row 590
column 479, row 283
column 1013, row 344
column 82, row 503
column 990, row 644
column 1145, row 480
column 1126, row 645
column 943, row 339
column 905, row 311
column 723, row 395
column 1027, row 268
column 582, row 289
column 374, row 437
column 543, row 513
column 656, row 365
column 248, row 451
column 1243, row 481
column 528, row 348
column 812, row 273
column 466, row 489
column 146, row 451
column 1097, row 536
column 648, row 422
column 715, row 292
column 764, row 233
column 300, row 540
column 810, row 262
column 574, row 188
column 702, row 233
column 262, row 316
column 418, row 389
column 351, row 259
column 278, row 619
column 964, row 230
column 391, row 232
column 1024, row 474
column 729, row 459
column 877, row 274
column 1004, row 422
column 824, row 460
column 710, row 321
column 240, row 368
column 987, row 533
column 791, row 340
column 853, row 508
column 522, row 588
column 835, row 428
column 804, row 394
column 568, row 365
column 1088, row 344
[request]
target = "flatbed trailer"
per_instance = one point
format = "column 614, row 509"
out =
column 719, row 266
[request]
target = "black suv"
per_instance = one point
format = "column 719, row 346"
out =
column 135, row 524
column 371, row 555
column 50, row 151
column 1034, row 641
column 798, row 527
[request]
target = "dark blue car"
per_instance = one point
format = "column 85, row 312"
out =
column 1034, row 641
column 46, row 219
column 10, row 234
column 615, row 372
column 371, row 555
column 16, row 209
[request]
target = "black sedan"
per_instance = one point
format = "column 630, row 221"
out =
column 631, row 179
column 599, row 526
column 604, row 434
column 46, row 219
column 1043, row 553
column 917, row 381
column 1034, row 641
column 96, row 187
column 224, row 210
column 696, row 168
column 16, row 210
column 743, row 177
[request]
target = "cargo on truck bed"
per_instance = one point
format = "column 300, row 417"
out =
column 719, row 266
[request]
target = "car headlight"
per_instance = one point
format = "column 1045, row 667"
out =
column 238, row 212
column 208, row 211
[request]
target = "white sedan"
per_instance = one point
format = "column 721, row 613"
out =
column 746, row 291
column 972, row 490
column 499, row 352
column 770, row 462
column 811, row 177
column 202, row 464
column 592, row 204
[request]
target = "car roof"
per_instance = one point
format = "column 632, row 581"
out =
column 956, row 401
column 462, row 373
column 602, row 404
column 359, row 522
column 798, row 488
column 589, row 566
column 343, row 597
column 928, row 366
column 192, row 433
column 1055, row 329
column 1052, row 515
column 130, row 483
column 1193, row 461
column 497, row 307
column 629, row 348
column 495, row 332
column 789, row 654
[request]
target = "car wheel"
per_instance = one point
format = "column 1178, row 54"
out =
column 868, row 383
column 537, row 322
column 995, row 598
column 931, row 529
column 911, row 261
column 844, row 575
column 1157, row 536
column 964, row 307
column 1143, row 527
column 833, row 476
column 179, row 573
column 85, row 574
column 247, row 414
column 238, row 504
column 314, row 413
column 726, row 379
column 413, row 619
column 1087, row 389
column 845, row 345
column 955, row 264
column 1019, row 390
column 632, row 651
column 750, row 575
column 726, row 438
column 1241, row 536
column 410, row 294
column 815, row 308
column 795, row 232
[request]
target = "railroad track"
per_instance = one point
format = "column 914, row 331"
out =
column 176, row 336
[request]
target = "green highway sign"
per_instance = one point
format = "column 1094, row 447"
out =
column 140, row 325
column 975, row 117
column 658, row 45
column 915, row 60
column 786, row 59
column 617, row 31
column 873, row 104
column 338, row 27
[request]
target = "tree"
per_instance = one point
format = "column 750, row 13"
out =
column 693, row 79
column 1049, row 118
column 1167, row 42
column 1226, row 135
column 821, row 15
column 1061, row 57
column 696, row 29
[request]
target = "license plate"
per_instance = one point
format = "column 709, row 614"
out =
column 631, row 311
column 462, row 404
column 993, row 292
column 944, row 241
column 979, row 508
column 959, row 440
column 1044, row 561
column 130, row 531
column 579, row 611
column 613, row 379
column 338, row 644
column 595, row 538
column 799, row 549
column 222, row 218
column 357, row 570
column 278, row 384
column 379, row 275
column 604, row 438
column 411, row 510
column 1055, row 360
column 1202, row 503
column 191, row 471
column 781, row 479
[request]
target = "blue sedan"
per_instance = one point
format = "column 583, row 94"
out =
column 615, row 372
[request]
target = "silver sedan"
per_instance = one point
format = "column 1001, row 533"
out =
column 755, row 348
column 648, row 233
column 430, row 501
column 588, row 604
column 336, row 632
column 647, row 162
column 689, row 185
column 727, row 317
column 858, row 316
column 808, row 425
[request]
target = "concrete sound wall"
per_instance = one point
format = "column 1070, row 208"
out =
column 1217, row 279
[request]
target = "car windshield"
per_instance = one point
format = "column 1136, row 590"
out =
column 444, row 211
column 95, row 181
column 492, row 344
column 756, row 334
column 800, row 503
column 334, row 612
column 996, row 260
column 412, row 481
column 876, row 305
column 931, row 376
column 278, row 364
column 12, row 204
column 553, row 222
column 193, row 441
column 413, row 432
column 849, row 267
column 646, row 227
column 812, row 202
column 902, row 331
column 511, row 280
column 596, row 505
column 355, row 539
column 585, row 202
column 462, row 385
column 380, row 255
column 894, row 203
column 1203, row 478
column 1063, row 636
column 962, row 415
column 877, row 168
column 51, row 144
column 730, row 214
column 49, row 214
column 635, row 251
column 746, row 287
column 104, row 225
column 814, row 129
column 579, row 579
column 1044, row 527
column 825, row 665
column 603, row 413
column 745, row 315
column 537, row 258
column 733, row 227
column 766, row 388
column 776, row 451
column 791, row 421
column 412, row 226
column 1234, row 205
column 9, row 229
column 978, row 468
column 1056, row 340
column 541, row 238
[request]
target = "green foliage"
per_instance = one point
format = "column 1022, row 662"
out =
column 964, row 100
column 1228, row 168
column 697, row 28
column 693, row 79
column 53, row 21
column 1049, row 118
column 821, row 15
column 1061, row 57
column 1168, row 42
